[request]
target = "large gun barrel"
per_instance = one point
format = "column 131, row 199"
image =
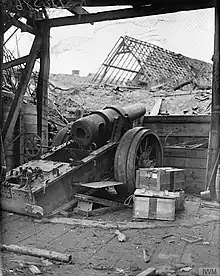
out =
column 97, row 127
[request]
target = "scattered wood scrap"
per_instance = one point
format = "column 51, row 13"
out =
column 31, row 251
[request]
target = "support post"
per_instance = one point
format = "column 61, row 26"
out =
column 2, row 15
column 17, row 101
column 42, row 86
column 213, row 147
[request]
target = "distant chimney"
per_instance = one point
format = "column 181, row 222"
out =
column 75, row 72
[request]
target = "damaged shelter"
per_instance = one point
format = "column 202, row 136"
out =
column 136, row 62
column 103, row 170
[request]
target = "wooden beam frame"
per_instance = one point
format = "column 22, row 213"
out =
column 42, row 86
column 15, row 62
column 17, row 101
column 125, row 13
column 22, row 26
column 213, row 148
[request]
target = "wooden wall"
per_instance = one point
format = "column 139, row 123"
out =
column 174, row 130
column 177, row 129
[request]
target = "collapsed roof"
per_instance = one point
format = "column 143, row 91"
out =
column 134, row 62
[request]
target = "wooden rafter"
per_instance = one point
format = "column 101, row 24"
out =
column 17, row 101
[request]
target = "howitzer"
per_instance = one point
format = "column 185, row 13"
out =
column 107, row 144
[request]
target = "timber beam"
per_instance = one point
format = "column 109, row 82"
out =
column 19, row 24
column 15, row 62
column 125, row 13
column 42, row 86
column 214, row 136
column 17, row 101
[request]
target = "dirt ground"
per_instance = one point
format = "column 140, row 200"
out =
column 97, row 251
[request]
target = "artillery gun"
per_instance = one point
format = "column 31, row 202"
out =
column 107, row 144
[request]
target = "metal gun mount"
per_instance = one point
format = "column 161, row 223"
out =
column 105, row 144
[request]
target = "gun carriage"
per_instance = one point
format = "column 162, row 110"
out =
column 107, row 144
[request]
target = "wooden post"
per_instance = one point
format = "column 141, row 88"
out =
column 2, row 13
column 213, row 147
column 17, row 101
column 42, row 86
column 1, row 61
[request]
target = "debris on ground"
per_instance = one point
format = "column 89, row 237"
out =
column 186, row 269
column 151, row 271
column 191, row 239
column 35, row 270
column 121, row 236
column 146, row 256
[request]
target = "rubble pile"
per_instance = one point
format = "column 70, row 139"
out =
column 72, row 97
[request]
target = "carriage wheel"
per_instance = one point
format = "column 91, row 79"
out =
column 138, row 148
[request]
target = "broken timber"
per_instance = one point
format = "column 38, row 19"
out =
column 52, row 255
column 85, row 204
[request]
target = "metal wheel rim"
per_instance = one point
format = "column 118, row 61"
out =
column 121, row 153
column 154, row 151
column 125, row 170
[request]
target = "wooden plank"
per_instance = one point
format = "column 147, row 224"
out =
column 156, row 108
column 125, row 13
column 17, row 101
column 185, row 153
column 37, row 252
column 100, row 201
column 64, row 207
column 15, row 62
column 100, row 184
column 200, row 119
column 183, row 162
column 177, row 129
column 42, row 86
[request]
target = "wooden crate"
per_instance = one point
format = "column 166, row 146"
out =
column 164, row 178
column 159, row 205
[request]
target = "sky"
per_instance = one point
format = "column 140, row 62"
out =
column 85, row 47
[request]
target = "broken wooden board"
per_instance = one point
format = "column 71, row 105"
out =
column 32, row 251
column 85, row 205
column 100, row 184
column 100, row 201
